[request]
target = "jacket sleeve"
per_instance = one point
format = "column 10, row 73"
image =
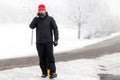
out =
column 55, row 29
column 34, row 23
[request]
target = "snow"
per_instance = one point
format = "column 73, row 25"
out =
column 15, row 36
column 15, row 15
column 110, row 63
column 78, row 68
column 82, row 69
column 15, row 40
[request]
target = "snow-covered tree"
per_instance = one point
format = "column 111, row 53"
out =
column 92, row 18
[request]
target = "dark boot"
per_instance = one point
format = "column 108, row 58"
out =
column 44, row 76
column 54, row 75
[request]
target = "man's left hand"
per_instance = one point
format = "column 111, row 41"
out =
column 55, row 43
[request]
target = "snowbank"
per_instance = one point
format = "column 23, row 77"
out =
column 15, row 40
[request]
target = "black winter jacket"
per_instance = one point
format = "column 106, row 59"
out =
column 45, row 27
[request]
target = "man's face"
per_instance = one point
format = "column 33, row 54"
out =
column 42, row 11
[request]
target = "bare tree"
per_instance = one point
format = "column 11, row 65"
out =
column 79, row 17
column 92, row 14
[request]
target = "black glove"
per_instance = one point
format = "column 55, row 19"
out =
column 55, row 43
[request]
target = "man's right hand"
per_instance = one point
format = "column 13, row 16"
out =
column 37, row 15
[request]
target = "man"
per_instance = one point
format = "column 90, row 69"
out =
column 45, row 28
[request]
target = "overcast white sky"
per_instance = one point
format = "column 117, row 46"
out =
column 114, row 6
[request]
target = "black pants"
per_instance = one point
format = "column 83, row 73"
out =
column 46, row 57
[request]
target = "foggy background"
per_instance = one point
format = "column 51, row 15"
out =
column 80, row 23
column 97, row 17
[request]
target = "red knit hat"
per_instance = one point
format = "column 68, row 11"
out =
column 41, row 7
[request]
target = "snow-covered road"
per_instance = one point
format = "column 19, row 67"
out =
column 82, row 69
